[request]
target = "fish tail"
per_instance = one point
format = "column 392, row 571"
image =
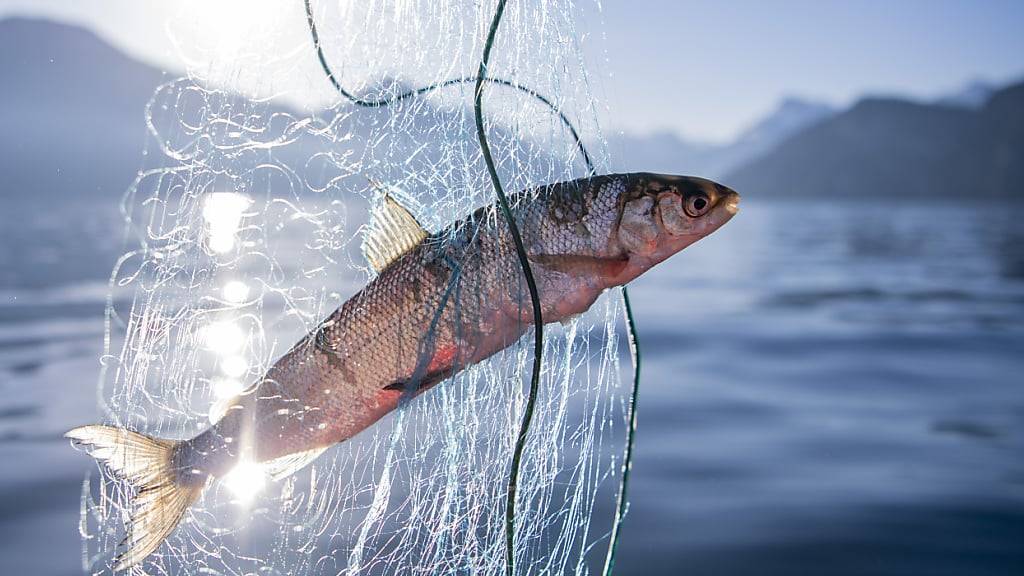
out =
column 147, row 465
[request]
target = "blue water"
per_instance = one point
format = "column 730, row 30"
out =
column 828, row 389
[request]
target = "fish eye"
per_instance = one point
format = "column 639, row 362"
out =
column 697, row 205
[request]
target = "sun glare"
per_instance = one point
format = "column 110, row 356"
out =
column 223, row 212
column 224, row 337
column 228, row 28
column 246, row 480
column 235, row 291
column 234, row 366
column 227, row 388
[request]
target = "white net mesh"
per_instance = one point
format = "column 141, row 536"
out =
column 244, row 228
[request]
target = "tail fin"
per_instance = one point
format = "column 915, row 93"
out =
column 146, row 464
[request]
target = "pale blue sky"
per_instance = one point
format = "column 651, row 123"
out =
column 706, row 69
column 729, row 61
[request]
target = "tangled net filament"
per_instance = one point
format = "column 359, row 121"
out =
column 344, row 504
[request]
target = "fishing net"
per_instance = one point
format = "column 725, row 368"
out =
column 244, row 229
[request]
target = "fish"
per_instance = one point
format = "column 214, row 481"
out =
column 438, row 304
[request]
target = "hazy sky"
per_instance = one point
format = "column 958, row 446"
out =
column 704, row 69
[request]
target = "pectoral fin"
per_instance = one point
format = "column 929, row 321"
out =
column 429, row 380
column 576, row 265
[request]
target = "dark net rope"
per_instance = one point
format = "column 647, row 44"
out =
column 480, row 79
column 538, row 321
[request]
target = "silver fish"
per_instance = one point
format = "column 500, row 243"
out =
column 440, row 303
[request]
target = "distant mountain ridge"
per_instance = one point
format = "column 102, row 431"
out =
column 974, row 95
column 899, row 149
column 72, row 110
column 664, row 152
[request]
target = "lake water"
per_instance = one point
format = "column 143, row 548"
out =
column 828, row 389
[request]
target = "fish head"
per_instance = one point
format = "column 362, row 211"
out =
column 661, row 215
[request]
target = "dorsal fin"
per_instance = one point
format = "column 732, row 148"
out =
column 392, row 231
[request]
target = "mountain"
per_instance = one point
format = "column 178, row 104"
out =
column 791, row 116
column 664, row 152
column 73, row 115
column 973, row 95
column 993, row 151
column 71, row 111
column 897, row 148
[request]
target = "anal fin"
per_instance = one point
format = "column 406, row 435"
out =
column 285, row 466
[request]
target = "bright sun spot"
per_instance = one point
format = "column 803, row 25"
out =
column 221, row 244
column 234, row 366
column 246, row 480
column 225, row 391
column 223, row 212
column 227, row 388
column 224, row 337
column 233, row 27
column 235, row 291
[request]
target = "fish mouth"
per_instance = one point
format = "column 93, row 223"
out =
column 727, row 207
column 731, row 204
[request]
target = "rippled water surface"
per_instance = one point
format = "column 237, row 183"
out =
column 828, row 389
